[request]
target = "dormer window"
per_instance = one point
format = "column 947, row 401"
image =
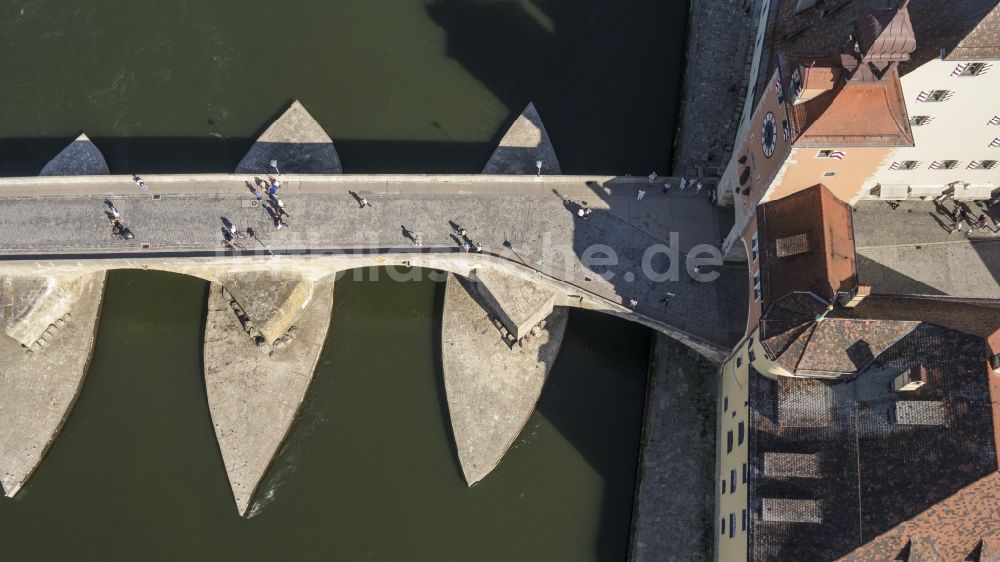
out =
column 944, row 165
column 934, row 95
column 918, row 120
column 904, row 165
column 970, row 69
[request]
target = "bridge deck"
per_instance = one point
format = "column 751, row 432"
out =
column 39, row 219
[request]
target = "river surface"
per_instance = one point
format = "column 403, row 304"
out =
column 369, row 471
column 400, row 85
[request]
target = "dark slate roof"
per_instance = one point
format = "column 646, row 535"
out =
column 965, row 29
column 832, row 347
column 973, row 316
column 883, row 486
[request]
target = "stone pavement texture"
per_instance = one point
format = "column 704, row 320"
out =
column 38, row 388
column 720, row 36
column 910, row 250
column 80, row 158
column 298, row 143
column 489, row 407
column 538, row 223
column 254, row 393
column 675, row 497
column 523, row 146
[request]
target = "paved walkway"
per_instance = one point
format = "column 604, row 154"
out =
column 540, row 225
column 910, row 250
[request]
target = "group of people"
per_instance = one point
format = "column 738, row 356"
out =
column 959, row 216
column 684, row 184
column 273, row 204
column 468, row 245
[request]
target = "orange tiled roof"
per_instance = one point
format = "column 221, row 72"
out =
column 854, row 114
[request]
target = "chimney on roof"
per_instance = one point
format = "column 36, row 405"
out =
column 911, row 379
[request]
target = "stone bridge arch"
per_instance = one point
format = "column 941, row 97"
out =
column 267, row 320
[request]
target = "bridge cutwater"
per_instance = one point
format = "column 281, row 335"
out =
column 272, row 290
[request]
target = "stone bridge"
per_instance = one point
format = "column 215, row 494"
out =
column 271, row 288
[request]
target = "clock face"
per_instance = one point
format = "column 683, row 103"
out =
column 768, row 134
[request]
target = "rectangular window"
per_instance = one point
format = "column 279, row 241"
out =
column 995, row 143
column 918, row 120
column 732, row 525
column 732, row 481
column 729, row 441
column 740, row 434
column 970, row 69
column 829, row 174
column 739, row 361
column 824, row 153
column 755, row 246
column 725, row 404
column 744, row 520
column 945, row 165
column 904, row 165
column 723, row 486
column 934, row 96
column 723, row 525
column 756, row 288
column 744, row 473
column 753, row 356
column 995, row 120
column 982, row 164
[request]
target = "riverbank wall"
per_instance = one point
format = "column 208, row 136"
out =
column 718, row 57
column 673, row 508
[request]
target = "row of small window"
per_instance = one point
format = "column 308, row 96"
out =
column 966, row 69
column 732, row 480
column 944, row 164
column 739, row 363
column 732, row 524
column 729, row 438
column 756, row 286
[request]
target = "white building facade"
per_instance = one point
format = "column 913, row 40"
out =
column 954, row 111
